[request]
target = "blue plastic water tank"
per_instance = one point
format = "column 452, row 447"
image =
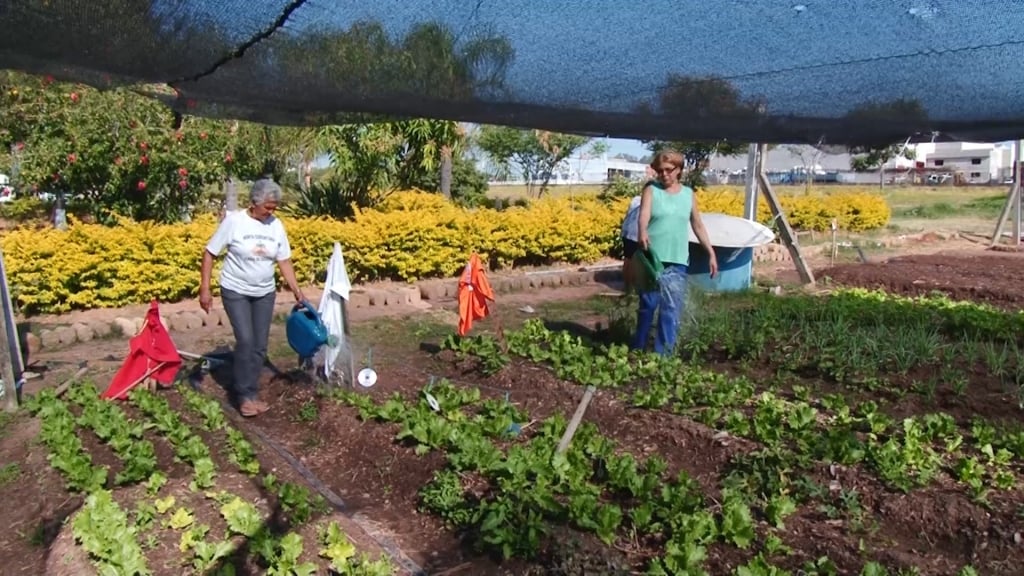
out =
column 734, row 268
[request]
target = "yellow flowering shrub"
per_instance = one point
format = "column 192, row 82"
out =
column 854, row 210
column 410, row 236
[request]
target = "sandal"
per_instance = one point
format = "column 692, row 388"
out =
column 250, row 408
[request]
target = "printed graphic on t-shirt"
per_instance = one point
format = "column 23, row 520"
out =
column 261, row 249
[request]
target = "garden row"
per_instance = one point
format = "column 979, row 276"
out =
column 826, row 451
column 411, row 236
column 180, row 501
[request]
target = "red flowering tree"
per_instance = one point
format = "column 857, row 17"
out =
column 122, row 152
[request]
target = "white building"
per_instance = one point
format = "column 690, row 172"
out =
column 977, row 163
column 581, row 169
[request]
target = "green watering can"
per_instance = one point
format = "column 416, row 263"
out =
column 647, row 268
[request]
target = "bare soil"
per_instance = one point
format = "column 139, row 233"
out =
column 982, row 276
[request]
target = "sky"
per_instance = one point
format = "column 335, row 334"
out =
column 625, row 146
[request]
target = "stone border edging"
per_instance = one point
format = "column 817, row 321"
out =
column 423, row 293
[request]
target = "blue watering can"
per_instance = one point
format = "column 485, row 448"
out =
column 305, row 330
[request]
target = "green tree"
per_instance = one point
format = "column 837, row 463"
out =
column 868, row 158
column 535, row 152
column 429, row 65
column 469, row 185
column 123, row 152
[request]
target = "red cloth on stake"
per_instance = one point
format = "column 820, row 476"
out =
column 474, row 292
column 150, row 350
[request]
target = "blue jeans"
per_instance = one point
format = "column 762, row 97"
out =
column 668, row 301
column 250, row 321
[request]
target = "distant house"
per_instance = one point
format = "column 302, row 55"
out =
column 582, row 169
column 977, row 163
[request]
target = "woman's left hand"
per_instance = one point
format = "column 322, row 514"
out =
column 299, row 297
column 713, row 266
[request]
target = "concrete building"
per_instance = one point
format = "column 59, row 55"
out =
column 975, row 163
column 581, row 169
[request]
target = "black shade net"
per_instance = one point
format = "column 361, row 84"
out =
column 832, row 72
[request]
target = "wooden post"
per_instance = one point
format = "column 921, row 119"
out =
column 1013, row 201
column 785, row 231
column 754, row 162
column 835, row 246
column 350, row 377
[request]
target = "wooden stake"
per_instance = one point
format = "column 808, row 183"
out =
column 67, row 383
column 350, row 378
column 835, row 246
column 570, row 431
column 146, row 375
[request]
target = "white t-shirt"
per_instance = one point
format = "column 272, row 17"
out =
column 253, row 248
column 631, row 223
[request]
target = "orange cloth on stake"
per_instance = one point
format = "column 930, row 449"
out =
column 474, row 292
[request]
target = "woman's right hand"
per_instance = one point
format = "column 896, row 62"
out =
column 205, row 299
column 644, row 241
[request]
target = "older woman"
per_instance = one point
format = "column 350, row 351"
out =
column 254, row 240
column 667, row 211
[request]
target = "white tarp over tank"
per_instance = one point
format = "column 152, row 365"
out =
column 725, row 231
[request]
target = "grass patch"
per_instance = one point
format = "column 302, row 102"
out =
column 6, row 418
column 984, row 207
column 9, row 473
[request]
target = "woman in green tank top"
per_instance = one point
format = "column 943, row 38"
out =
column 667, row 211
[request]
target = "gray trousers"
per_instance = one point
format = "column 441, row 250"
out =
column 250, row 320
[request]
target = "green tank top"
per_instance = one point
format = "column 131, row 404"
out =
column 669, row 227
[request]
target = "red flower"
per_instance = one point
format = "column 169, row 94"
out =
column 227, row 158
column 182, row 183
column 182, row 172
column 202, row 135
column 71, row 158
column 74, row 96
column 144, row 160
column 143, row 146
column 141, row 185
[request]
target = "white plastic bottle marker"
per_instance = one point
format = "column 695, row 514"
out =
column 367, row 377
column 432, row 401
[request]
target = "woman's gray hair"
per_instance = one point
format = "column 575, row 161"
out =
column 264, row 190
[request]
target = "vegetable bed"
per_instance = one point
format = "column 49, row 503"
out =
column 851, row 434
column 168, row 485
